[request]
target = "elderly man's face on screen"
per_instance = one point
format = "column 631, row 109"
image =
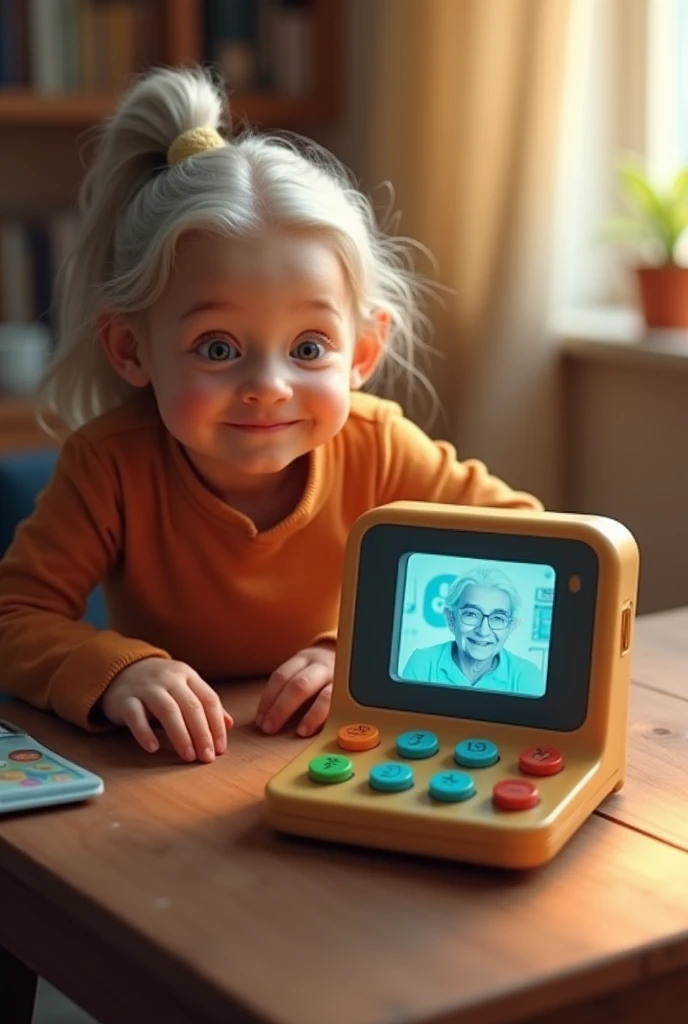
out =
column 481, row 621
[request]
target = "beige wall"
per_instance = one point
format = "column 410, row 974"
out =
column 626, row 426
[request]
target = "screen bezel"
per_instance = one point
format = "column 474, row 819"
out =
column 564, row 705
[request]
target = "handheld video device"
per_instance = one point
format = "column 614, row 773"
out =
column 33, row 776
column 480, row 699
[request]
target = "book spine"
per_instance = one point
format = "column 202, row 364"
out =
column 7, row 32
column 70, row 44
column 47, row 70
column 292, row 47
column 20, row 43
column 41, row 272
column 17, row 276
column 122, row 28
column 231, row 41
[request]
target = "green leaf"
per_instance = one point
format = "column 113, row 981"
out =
column 625, row 229
column 657, row 217
column 638, row 192
column 679, row 188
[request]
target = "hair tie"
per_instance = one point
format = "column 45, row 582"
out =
column 193, row 142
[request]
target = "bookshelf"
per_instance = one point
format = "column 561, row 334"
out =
column 179, row 42
column 39, row 125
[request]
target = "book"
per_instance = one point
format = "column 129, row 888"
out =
column 18, row 297
column 293, row 47
column 231, row 41
column 45, row 54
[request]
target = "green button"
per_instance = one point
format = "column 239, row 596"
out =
column 330, row 768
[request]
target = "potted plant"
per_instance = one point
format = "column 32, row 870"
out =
column 653, row 227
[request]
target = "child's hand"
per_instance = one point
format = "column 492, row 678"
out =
column 304, row 679
column 187, row 708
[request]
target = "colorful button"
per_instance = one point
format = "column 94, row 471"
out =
column 358, row 737
column 62, row 777
column 329, row 768
column 476, row 753
column 31, row 782
column 515, row 795
column 25, row 755
column 391, row 777
column 45, row 766
column 12, row 776
column 541, row 761
column 452, row 786
column 417, row 744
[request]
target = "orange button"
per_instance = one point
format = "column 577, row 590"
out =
column 358, row 737
column 515, row 795
column 540, row 761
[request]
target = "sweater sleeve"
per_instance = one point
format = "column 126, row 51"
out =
column 415, row 468
column 59, row 554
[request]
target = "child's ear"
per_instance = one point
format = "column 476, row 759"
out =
column 368, row 350
column 122, row 344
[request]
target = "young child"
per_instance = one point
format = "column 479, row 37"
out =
column 225, row 301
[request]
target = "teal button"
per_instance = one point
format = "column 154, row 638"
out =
column 417, row 744
column 476, row 753
column 452, row 786
column 329, row 768
column 391, row 777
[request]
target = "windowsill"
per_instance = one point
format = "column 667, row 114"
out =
column 618, row 334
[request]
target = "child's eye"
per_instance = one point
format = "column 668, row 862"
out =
column 310, row 349
column 218, row 350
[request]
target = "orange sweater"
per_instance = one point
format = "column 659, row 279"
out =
column 185, row 576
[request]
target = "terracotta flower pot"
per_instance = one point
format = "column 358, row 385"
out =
column 664, row 295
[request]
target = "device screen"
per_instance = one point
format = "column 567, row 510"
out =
column 471, row 623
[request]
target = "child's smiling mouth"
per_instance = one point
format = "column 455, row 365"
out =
column 266, row 427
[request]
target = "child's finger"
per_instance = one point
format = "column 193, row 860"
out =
column 167, row 712
column 196, row 721
column 136, row 720
column 316, row 716
column 215, row 714
column 276, row 683
column 300, row 689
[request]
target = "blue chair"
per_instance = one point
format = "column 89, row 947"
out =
column 22, row 476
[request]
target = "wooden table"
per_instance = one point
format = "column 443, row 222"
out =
column 169, row 900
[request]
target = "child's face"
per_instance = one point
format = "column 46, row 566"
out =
column 252, row 351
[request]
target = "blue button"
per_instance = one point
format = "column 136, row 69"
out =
column 452, row 786
column 476, row 753
column 391, row 777
column 417, row 744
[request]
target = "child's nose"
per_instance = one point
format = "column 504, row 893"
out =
column 266, row 383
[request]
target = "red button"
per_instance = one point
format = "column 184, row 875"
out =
column 540, row 761
column 515, row 795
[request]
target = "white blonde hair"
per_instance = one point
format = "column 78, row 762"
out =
column 134, row 208
column 487, row 577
